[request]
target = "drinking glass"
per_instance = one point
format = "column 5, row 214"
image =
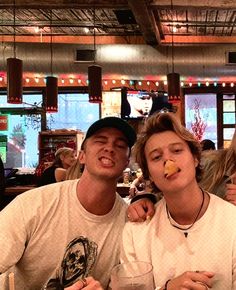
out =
column 135, row 275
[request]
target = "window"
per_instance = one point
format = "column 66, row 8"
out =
column 75, row 112
column 229, row 118
column 22, row 132
column 201, row 115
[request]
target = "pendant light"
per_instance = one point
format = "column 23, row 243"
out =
column 95, row 75
column 14, row 71
column 173, row 78
column 51, row 95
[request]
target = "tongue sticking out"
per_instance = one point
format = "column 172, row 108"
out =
column 170, row 168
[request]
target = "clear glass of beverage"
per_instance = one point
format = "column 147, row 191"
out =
column 135, row 275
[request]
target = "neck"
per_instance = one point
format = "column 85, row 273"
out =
column 65, row 166
column 96, row 196
column 195, row 204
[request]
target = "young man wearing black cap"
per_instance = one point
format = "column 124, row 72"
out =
column 70, row 230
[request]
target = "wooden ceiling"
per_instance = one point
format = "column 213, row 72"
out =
column 133, row 21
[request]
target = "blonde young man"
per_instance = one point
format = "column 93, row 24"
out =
column 192, row 233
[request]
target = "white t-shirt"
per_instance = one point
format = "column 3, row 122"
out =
column 46, row 230
column 210, row 245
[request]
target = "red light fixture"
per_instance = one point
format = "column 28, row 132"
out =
column 95, row 73
column 14, row 71
column 173, row 79
column 95, row 84
column 51, row 96
column 14, row 81
column 51, row 103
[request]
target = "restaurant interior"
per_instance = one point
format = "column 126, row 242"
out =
column 66, row 64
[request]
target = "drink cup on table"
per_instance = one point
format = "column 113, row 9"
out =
column 135, row 275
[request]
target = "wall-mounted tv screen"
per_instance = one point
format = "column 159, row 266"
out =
column 141, row 104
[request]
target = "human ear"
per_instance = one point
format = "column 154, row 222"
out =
column 81, row 157
column 196, row 162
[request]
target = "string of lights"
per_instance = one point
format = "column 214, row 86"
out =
column 29, row 81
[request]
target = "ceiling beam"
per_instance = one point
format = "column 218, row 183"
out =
column 76, row 39
column 192, row 40
column 61, row 4
column 142, row 17
column 199, row 4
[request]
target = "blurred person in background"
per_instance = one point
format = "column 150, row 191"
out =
column 219, row 171
column 207, row 144
column 64, row 159
column 141, row 186
column 75, row 170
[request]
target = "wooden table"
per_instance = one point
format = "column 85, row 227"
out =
column 15, row 190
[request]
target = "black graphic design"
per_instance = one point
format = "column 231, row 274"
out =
column 77, row 263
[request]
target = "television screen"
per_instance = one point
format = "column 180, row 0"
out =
column 141, row 104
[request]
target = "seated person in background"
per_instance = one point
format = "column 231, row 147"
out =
column 142, row 186
column 207, row 144
column 64, row 158
column 138, row 184
column 75, row 171
column 177, row 240
column 219, row 168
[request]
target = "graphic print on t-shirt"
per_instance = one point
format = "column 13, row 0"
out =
column 77, row 263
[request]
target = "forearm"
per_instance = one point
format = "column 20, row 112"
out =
column 150, row 196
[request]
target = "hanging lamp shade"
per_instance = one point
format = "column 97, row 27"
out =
column 51, row 103
column 173, row 81
column 14, row 80
column 95, row 83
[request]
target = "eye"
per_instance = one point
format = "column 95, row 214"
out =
column 121, row 145
column 156, row 157
column 178, row 150
column 100, row 140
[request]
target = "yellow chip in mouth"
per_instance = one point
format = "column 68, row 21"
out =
column 170, row 168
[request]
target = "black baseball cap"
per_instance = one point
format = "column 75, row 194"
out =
column 112, row 122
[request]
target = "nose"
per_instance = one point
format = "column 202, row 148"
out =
column 167, row 159
column 109, row 147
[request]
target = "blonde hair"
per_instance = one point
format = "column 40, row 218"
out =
column 223, row 163
column 64, row 151
column 161, row 122
column 74, row 171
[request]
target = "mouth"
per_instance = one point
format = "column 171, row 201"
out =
column 107, row 162
column 170, row 169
